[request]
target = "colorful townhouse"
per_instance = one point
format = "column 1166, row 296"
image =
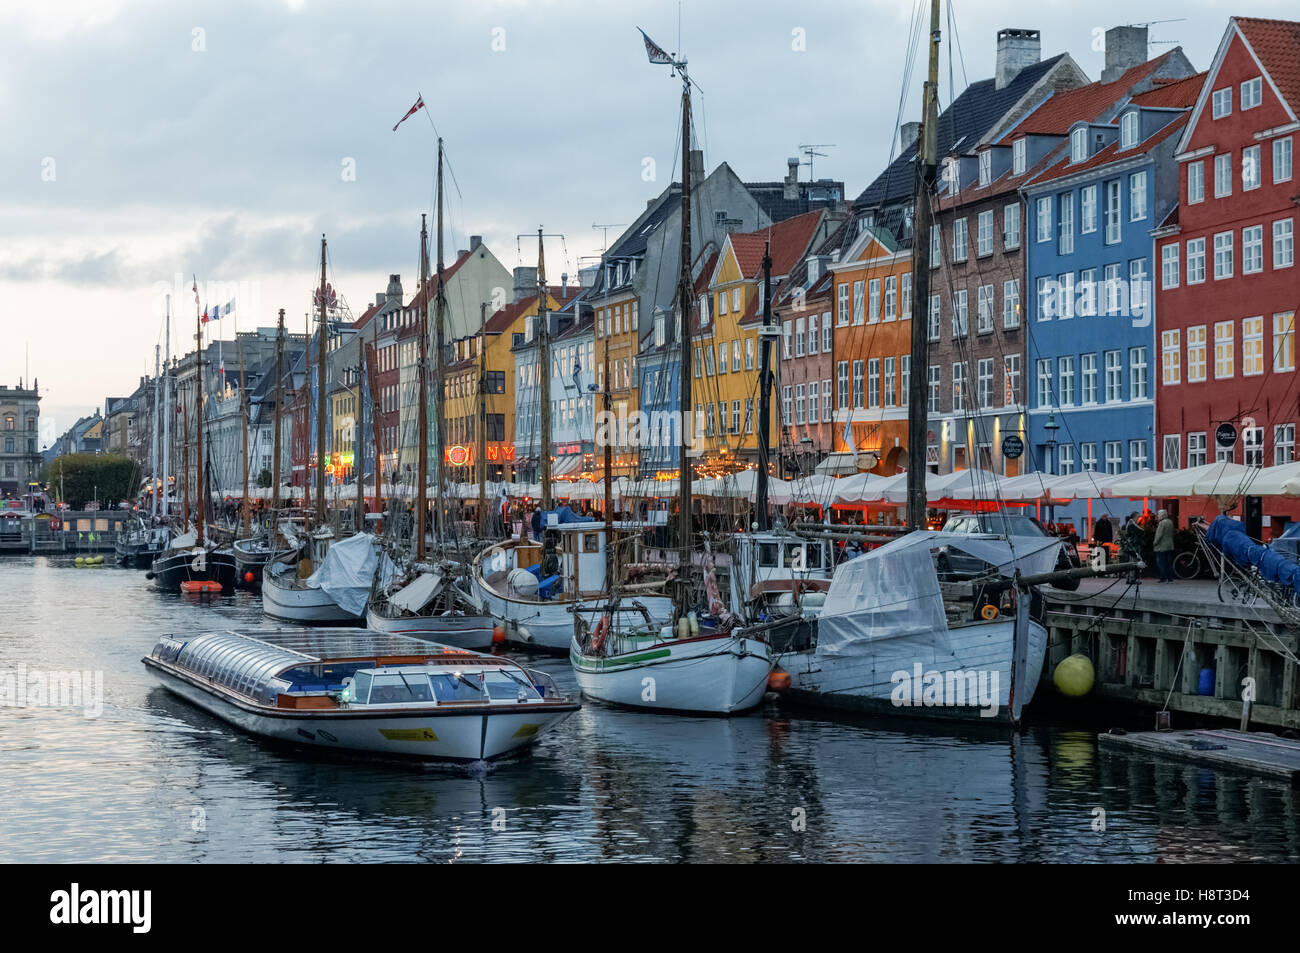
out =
column 980, row 312
column 727, row 341
column 1227, row 292
column 617, row 330
column 1092, row 343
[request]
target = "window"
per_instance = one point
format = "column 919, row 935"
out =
column 936, row 245
column 857, row 384
column 749, row 413
column 984, row 383
column 873, row 296
column 1137, row 373
column 1282, row 159
column 891, row 298
column 1018, row 157
column 1088, row 364
column 958, row 387
column 749, row 354
column 812, row 334
column 1079, row 144
column 785, row 340
column 1065, row 245
column 1112, row 280
column 1044, row 206
column 842, row 305
column 1195, row 182
column 891, row 382
column 1112, row 212
column 1222, row 255
column 1196, row 354
column 984, row 307
column 1284, row 341
column 1253, row 446
column 1251, row 91
column 1065, row 459
column 1252, row 346
column 934, row 319
column 1114, row 457
column 1065, row 381
column 826, row 332
column 798, row 338
column 1088, row 291
column 1088, row 209
column 1011, row 303
column 933, row 385
column 1222, row 454
column 1222, row 176
column 1137, row 196
column 786, row 408
column 708, row 358
column 1011, row 380
column 735, row 300
column 1283, row 243
column 842, row 376
column 1046, row 299
column 1044, row 382
column 904, row 379
column 1137, row 454
column 859, row 316
column 1196, row 450
column 1065, row 295
column 1114, row 376
column 1128, row 129
column 959, row 240
column 722, row 303
column 1172, row 455
column 984, row 233
column 800, row 403
column 1283, row 443
column 905, row 302
column 1195, row 261
column 1252, row 249
column 986, row 167
column 1137, row 285
column 1251, row 175
column 1011, row 226
column 1221, row 102
column 723, row 351
column 813, row 399
column 873, row 382
column 826, row 401
column 1088, row 452
column 959, row 314
column 735, row 416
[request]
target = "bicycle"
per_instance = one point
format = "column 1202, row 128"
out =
column 1187, row 565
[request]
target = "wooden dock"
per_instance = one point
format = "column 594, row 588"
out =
column 89, row 531
column 1149, row 645
column 1254, row 752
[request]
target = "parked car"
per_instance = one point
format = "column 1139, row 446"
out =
column 1009, row 524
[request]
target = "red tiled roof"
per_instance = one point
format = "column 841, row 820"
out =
column 431, row 284
column 1180, row 94
column 1111, row 153
column 364, row 320
column 1277, row 44
column 502, row 319
column 706, row 274
column 789, row 240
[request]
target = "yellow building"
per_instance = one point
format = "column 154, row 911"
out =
column 618, row 340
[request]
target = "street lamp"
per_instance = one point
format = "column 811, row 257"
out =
column 1051, row 427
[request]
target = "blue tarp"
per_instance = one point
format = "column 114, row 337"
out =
column 1230, row 536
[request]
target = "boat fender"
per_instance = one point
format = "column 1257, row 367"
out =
column 989, row 613
column 695, row 624
column 150, row 575
column 778, row 681
column 683, row 628
column 598, row 637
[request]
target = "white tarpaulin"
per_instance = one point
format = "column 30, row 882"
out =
column 347, row 571
column 418, row 593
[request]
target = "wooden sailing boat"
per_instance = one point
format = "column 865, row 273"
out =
column 705, row 661
column 426, row 597
column 253, row 552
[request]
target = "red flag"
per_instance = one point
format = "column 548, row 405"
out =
column 205, row 315
column 419, row 104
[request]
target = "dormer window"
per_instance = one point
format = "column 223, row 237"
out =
column 1079, row 144
column 1018, row 157
column 986, row 168
column 1128, row 130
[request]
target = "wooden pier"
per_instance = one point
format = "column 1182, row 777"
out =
column 1254, row 752
column 90, row 531
column 1149, row 645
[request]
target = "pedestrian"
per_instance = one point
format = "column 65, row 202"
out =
column 1164, row 546
column 1102, row 531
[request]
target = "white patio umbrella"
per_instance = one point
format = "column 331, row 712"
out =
column 861, row 488
column 1281, row 480
column 1222, row 478
column 818, row 488
column 1027, row 487
column 744, row 485
column 975, row 484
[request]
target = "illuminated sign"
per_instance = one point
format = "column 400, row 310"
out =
column 461, row 456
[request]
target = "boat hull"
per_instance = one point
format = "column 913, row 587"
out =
column 249, row 562
column 458, row 631
column 294, row 604
column 712, row 675
column 873, row 679
column 426, row 736
column 173, row 567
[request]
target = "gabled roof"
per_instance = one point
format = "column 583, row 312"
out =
column 1111, row 153
column 967, row 119
column 1277, row 44
column 1179, row 94
column 431, row 285
column 788, row 242
column 505, row 317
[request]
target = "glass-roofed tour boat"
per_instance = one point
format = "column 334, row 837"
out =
column 362, row 691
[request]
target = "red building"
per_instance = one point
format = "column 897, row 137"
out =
column 1225, row 260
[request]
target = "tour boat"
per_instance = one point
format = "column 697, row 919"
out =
column 354, row 690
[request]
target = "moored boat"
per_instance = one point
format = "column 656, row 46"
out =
column 334, row 594
column 354, row 690
column 186, row 559
column 428, row 605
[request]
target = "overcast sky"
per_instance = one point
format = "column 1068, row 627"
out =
column 143, row 140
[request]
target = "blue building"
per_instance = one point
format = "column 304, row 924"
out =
column 1089, row 269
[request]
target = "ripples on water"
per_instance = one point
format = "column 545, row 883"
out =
column 154, row 779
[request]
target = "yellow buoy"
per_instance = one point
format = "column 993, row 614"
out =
column 80, row 561
column 1074, row 676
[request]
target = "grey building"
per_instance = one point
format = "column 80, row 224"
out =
column 20, row 418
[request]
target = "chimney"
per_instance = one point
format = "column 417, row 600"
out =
column 1126, row 47
column 908, row 133
column 394, row 292
column 475, row 241
column 1016, row 50
column 380, row 298
column 525, row 282
column 564, row 284
column 697, row 166
column 791, row 179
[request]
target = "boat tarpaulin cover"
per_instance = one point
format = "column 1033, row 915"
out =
column 346, row 572
column 893, row 592
column 1230, row 536
column 418, row 593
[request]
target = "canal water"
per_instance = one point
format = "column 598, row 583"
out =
column 150, row 778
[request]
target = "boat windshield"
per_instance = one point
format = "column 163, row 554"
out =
column 507, row 685
column 457, row 687
column 399, row 688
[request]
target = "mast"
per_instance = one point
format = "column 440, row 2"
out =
column 185, row 461
column 482, row 422
column 609, row 481
column 544, row 365
column 199, row 486
column 684, row 535
column 764, row 391
column 320, row 397
column 243, row 407
column 372, row 383
column 918, row 375
column 305, row 397
column 359, row 447
column 422, row 430
column 279, row 401
column 157, row 411
column 439, row 352
column 166, row 412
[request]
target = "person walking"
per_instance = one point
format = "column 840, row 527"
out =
column 1103, row 533
column 1164, row 546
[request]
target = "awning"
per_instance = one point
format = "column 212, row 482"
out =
column 566, row 465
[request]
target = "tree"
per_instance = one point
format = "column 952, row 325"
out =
column 264, row 478
column 78, row 477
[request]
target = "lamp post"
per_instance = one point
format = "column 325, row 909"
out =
column 1051, row 426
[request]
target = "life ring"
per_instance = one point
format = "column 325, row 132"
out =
column 989, row 613
column 598, row 637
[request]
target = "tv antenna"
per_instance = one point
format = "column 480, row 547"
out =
column 604, row 233
column 1151, row 23
column 810, row 150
